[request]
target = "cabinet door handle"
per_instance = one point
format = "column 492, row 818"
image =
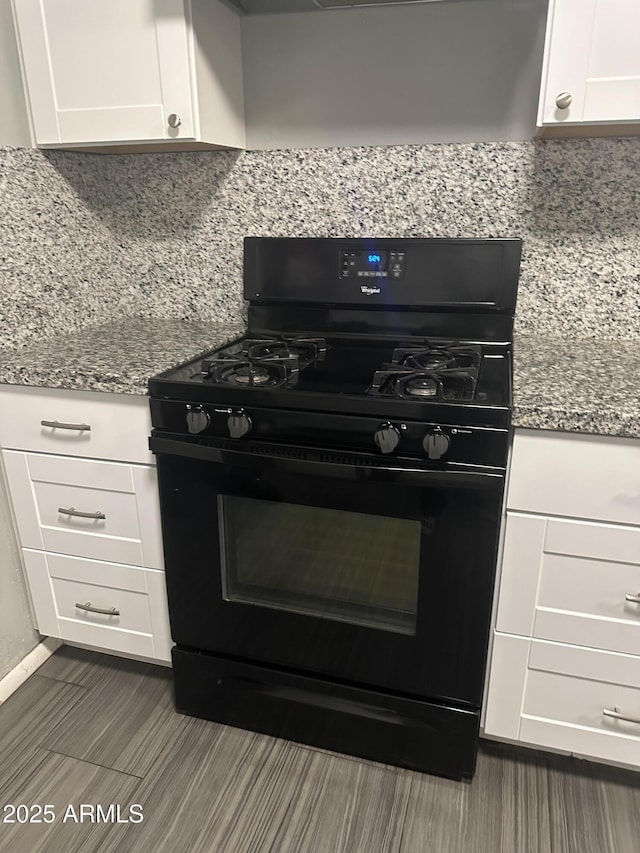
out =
column 174, row 120
column 60, row 425
column 111, row 611
column 79, row 514
column 618, row 715
column 563, row 101
column 634, row 599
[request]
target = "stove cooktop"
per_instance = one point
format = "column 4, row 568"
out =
column 348, row 373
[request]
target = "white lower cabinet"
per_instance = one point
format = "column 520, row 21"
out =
column 106, row 605
column 89, row 527
column 565, row 663
column 574, row 699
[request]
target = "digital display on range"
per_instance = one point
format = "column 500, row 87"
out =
column 375, row 260
column 372, row 263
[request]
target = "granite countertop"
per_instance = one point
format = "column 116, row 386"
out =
column 117, row 357
column 582, row 385
column 576, row 385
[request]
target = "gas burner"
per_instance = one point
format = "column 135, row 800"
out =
column 405, row 383
column 274, row 372
column 437, row 357
column 247, row 375
column 422, row 386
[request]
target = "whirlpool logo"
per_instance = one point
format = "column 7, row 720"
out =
column 370, row 291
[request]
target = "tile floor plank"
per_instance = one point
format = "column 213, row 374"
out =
column 591, row 811
column 214, row 789
column 503, row 810
column 125, row 719
column 75, row 666
column 344, row 805
column 230, row 790
column 435, row 814
column 621, row 811
column 525, row 802
column 60, row 782
column 26, row 719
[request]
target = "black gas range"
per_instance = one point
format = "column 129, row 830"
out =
column 331, row 487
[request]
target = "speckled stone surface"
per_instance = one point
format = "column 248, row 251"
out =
column 115, row 357
column 85, row 238
column 577, row 385
column 60, row 266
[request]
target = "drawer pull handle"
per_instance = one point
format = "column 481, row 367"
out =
column 634, row 599
column 617, row 715
column 60, row 425
column 111, row 611
column 79, row 514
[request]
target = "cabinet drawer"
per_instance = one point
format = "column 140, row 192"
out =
column 109, row 426
column 577, row 476
column 584, row 602
column 567, row 691
column 86, row 508
column 80, row 601
column 111, row 514
column 568, row 581
column 67, row 591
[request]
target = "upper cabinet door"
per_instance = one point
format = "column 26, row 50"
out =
column 107, row 72
column 591, row 72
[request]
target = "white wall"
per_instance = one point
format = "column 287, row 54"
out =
column 14, row 128
column 17, row 634
column 443, row 72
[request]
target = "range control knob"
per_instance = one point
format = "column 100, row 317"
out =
column 197, row 419
column 436, row 444
column 386, row 438
column 239, row 424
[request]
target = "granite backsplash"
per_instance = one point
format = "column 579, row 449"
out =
column 85, row 238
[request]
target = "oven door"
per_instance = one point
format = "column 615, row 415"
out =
column 353, row 567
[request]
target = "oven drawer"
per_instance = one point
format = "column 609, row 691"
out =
column 68, row 593
column 101, row 426
column 87, row 508
column 567, row 692
column 421, row 735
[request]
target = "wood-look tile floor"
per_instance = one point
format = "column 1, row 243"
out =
column 91, row 730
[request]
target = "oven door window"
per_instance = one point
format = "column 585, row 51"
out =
column 329, row 563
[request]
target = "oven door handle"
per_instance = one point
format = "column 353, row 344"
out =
column 342, row 470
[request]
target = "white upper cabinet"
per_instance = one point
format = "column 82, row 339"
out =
column 132, row 72
column 591, row 71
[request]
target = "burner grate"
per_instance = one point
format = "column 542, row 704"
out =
column 405, row 383
column 252, row 373
column 306, row 349
column 443, row 370
column 438, row 356
column 263, row 362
